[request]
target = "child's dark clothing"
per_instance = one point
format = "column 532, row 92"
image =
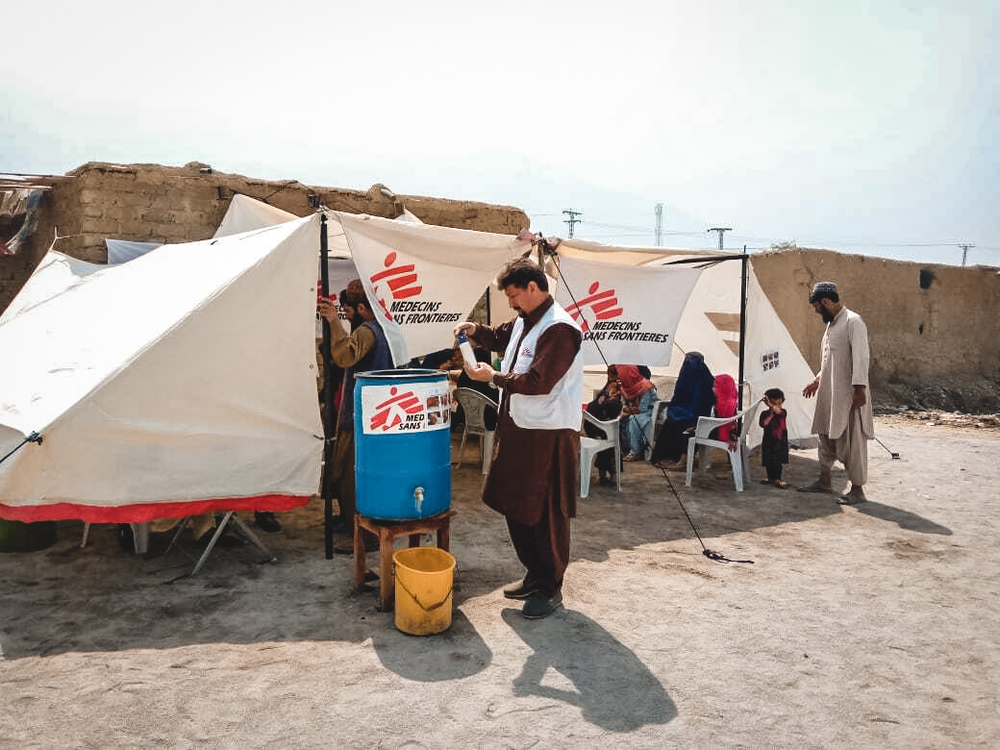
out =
column 774, row 445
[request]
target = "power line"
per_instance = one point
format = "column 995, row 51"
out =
column 657, row 233
column 641, row 230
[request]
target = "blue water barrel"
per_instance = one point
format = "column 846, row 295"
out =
column 402, row 443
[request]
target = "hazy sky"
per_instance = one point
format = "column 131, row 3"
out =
column 863, row 125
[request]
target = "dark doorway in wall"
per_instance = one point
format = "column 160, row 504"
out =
column 926, row 278
column 10, row 224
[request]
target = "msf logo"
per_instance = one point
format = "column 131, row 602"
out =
column 602, row 305
column 401, row 410
column 400, row 280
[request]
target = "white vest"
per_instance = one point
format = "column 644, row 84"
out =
column 562, row 407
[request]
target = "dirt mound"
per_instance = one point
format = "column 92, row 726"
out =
column 965, row 395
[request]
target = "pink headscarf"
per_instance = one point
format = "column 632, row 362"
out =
column 725, row 403
column 633, row 384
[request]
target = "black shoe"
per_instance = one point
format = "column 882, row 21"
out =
column 265, row 521
column 540, row 606
column 338, row 524
column 370, row 575
column 520, row 590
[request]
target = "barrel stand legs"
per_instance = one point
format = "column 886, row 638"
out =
column 387, row 532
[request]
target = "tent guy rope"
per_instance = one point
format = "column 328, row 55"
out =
column 34, row 437
column 551, row 251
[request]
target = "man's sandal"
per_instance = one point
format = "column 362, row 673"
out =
column 849, row 499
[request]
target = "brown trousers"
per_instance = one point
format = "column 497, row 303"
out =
column 543, row 549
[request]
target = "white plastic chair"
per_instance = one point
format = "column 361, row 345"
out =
column 739, row 458
column 474, row 406
column 590, row 447
column 659, row 416
column 140, row 537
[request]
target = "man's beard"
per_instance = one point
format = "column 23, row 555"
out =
column 826, row 315
column 356, row 321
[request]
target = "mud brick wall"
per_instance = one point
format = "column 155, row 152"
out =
column 934, row 329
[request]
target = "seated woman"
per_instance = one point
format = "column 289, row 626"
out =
column 725, row 406
column 607, row 404
column 640, row 396
column 694, row 397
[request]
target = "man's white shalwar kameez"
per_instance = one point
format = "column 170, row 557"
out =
column 843, row 431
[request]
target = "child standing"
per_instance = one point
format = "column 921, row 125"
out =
column 774, row 446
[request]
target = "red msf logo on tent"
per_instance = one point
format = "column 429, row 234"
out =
column 402, row 282
column 603, row 305
column 402, row 410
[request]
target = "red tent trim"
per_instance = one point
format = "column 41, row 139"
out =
column 142, row 512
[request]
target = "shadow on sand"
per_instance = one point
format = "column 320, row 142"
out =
column 608, row 682
column 903, row 518
column 103, row 599
column 456, row 653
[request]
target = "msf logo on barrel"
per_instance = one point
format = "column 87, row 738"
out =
column 400, row 280
column 603, row 305
column 401, row 411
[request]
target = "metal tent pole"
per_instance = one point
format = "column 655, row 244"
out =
column 745, row 259
column 329, row 417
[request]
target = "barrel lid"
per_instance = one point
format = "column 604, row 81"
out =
column 402, row 374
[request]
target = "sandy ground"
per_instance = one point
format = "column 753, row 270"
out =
column 876, row 625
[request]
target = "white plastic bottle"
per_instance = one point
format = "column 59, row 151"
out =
column 466, row 349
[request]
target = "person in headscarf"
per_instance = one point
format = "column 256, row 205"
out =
column 640, row 397
column 694, row 396
column 726, row 399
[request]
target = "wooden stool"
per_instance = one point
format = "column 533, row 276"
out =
column 387, row 531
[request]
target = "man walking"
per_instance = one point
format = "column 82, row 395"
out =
column 843, row 419
column 533, row 477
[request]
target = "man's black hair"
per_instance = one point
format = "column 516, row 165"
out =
column 824, row 289
column 520, row 273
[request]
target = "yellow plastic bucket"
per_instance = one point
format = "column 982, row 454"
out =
column 424, row 579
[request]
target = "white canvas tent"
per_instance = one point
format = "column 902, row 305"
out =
column 246, row 213
column 122, row 251
column 453, row 266
column 710, row 325
column 423, row 279
column 184, row 380
column 54, row 275
column 161, row 392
